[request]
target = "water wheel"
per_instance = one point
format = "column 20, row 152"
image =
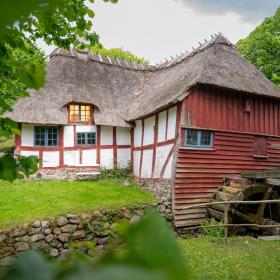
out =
column 246, row 190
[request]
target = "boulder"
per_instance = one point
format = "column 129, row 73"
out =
column 2, row 237
column 47, row 231
column 21, row 246
column 61, row 221
column 45, row 224
column 69, row 228
column 79, row 234
column 135, row 219
column 49, row 238
column 53, row 252
column 64, row 237
column 17, row 233
column 56, row 231
column 33, row 231
column 36, row 237
column 36, row 224
column 6, row 251
column 71, row 216
column 56, row 244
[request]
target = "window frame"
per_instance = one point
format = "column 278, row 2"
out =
column 80, row 110
column 199, row 133
column 46, row 136
column 86, row 139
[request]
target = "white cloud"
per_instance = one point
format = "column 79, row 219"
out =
column 249, row 10
column 155, row 29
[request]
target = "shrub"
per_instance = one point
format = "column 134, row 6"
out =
column 117, row 172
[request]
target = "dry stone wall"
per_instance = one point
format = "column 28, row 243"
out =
column 56, row 237
column 162, row 190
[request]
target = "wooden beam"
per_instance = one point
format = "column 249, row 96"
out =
column 155, row 145
column 142, row 142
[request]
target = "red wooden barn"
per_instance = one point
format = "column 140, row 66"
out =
column 191, row 121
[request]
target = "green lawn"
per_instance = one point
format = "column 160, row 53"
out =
column 22, row 202
column 244, row 258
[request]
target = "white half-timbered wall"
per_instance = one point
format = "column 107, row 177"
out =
column 79, row 156
column 153, row 154
column 150, row 153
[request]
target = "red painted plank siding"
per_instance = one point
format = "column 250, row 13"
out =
column 244, row 126
column 199, row 173
column 222, row 110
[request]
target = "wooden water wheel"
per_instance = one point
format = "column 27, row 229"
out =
column 250, row 187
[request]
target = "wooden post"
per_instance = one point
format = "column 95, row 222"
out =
column 226, row 223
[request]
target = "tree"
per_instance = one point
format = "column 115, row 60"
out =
column 262, row 47
column 63, row 23
column 119, row 53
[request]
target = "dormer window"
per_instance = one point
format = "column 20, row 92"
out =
column 80, row 113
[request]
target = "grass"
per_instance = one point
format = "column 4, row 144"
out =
column 22, row 202
column 244, row 258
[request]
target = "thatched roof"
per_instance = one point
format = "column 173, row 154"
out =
column 123, row 91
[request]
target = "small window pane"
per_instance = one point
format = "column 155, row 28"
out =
column 91, row 138
column 192, row 137
column 45, row 136
column 198, row 138
column 80, row 113
column 206, row 137
column 86, row 138
column 81, row 138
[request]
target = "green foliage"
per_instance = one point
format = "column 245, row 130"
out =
column 119, row 53
column 63, row 23
column 215, row 232
column 7, row 144
column 149, row 251
column 262, row 47
column 11, row 167
column 117, row 172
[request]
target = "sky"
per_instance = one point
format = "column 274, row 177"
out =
column 155, row 29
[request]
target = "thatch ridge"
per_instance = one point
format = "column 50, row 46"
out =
column 124, row 91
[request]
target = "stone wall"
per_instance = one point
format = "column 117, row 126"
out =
column 69, row 174
column 55, row 237
column 162, row 190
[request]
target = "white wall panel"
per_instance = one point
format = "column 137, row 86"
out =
column 123, row 157
column 168, row 171
column 27, row 135
column 85, row 128
column 136, row 163
column 50, row 159
column 149, row 130
column 138, row 134
column 162, row 126
column 71, row 158
column 106, row 158
column 123, row 136
column 106, row 137
column 68, row 136
column 147, row 163
column 161, row 156
column 171, row 130
column 29, row 153
column 89, row 157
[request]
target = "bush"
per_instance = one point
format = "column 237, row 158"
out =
column 117, row 172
